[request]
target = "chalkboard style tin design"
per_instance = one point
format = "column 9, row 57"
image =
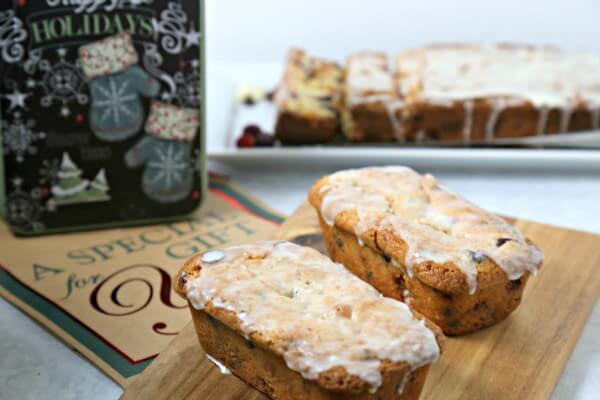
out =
column 102, row 112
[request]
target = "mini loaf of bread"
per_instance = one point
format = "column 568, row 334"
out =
column 295, row 325
column 413, row 240
column 307, row 100
column 468, row 93
column 460, row 93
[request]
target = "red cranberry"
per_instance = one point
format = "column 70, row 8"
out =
column 500, row 242
column 246, row 140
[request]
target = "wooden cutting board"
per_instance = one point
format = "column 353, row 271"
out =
column 519, row 358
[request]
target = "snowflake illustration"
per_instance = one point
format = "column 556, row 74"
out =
column 172, row 166
column 187, row 87
column 115, row 101
column 19, row 137
column 49, row 172
column 62, row 82
column 23, row 209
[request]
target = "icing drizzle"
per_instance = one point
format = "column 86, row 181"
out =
column 542, row 120
column 596, row 118
column 222, row 368
column 436, row 225
column 565, row 118
column 468, row 124
column 317, row 314
column 490, row 127
column 369, row 80
column 545, row 77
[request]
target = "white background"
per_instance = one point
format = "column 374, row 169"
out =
column 34, row 364
column 262, row 30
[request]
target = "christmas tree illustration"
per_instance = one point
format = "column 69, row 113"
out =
column 71, row 188
column 98, row 189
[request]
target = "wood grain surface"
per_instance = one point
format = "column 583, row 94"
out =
column 519, row 358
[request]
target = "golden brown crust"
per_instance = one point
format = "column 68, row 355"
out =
column 455, row 313
column 369, row 122
column 366, row 112
column 494, row 115
column 335, row 380
column 444, row 277
column 269, row 373
column 189, row 270
column 435, row 122
column 293, row 129
column 447, row 122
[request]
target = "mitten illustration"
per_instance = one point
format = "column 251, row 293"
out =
column 116, row 84
column 166, row 153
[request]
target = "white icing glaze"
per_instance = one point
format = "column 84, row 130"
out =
column 317, row 314
column 368, row 74
column 543, row 120
column 565, row 118
column 309, row 85
column 392, row 108
column 436, row 224
column 369, row 80
column 402, row 385
column 468, row 123
column 490, row 126
column 541, row 76
column 212, row 256
column 224, row 370
column 596, row 118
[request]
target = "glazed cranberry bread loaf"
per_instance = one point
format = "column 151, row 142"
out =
column 308, row 100
column 413, row 240
column 480, row 93
column 295, row 325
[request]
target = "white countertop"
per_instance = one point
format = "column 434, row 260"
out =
column 34, row 364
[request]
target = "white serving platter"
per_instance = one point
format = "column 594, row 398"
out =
column 579, row 151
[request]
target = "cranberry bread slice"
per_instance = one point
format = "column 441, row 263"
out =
column 372, row 108
column 295, row 325
column 308, row 100
column 413, row 240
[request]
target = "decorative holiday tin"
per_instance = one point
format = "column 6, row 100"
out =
column 102, row 112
